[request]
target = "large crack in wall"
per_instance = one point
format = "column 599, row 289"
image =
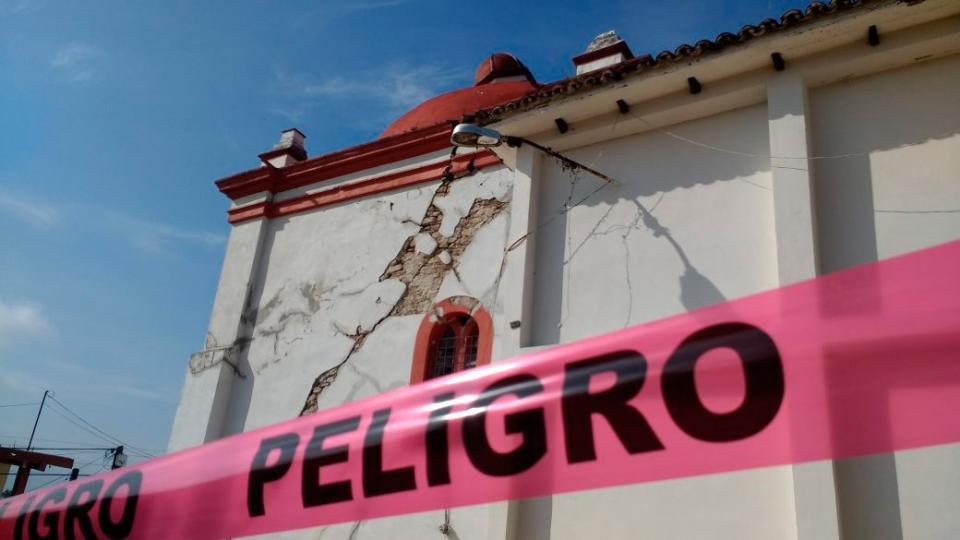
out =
column 421, row 264
column 423, row 273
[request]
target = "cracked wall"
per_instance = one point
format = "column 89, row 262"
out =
column 425, row 258
column 342, row 292
column 689, row 228
column 341, row 295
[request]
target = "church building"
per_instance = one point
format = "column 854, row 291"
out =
column 803, row 145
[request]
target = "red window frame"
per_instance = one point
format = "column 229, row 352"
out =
column 461, row 320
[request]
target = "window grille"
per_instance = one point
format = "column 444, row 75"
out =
column 455, row 347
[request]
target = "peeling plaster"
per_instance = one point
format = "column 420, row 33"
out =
column 213, row 354
column 423, row 275
column 420, row 266
column 425, row 244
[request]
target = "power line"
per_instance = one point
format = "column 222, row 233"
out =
column 19, row 404
column 103, row 436
column 731, row 151
column 82, row 427
column 98, row 430
column 60, row 441
column 46, row 474
column 86, row 429
column 66, row 474
column 88, row 449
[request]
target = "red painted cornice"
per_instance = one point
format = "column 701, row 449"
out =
column 358, row 158
column 459, row 166
column 603, row 52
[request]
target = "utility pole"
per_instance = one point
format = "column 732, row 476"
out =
column 37, row 421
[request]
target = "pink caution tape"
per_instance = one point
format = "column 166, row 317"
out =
column 859, row 362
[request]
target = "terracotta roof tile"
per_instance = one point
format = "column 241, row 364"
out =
column 602, row 77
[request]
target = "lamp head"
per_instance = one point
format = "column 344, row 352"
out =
column 473, row 136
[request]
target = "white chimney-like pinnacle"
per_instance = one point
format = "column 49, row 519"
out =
column 605, row 50
column 289, row 150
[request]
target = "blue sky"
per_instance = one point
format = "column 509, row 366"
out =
column 116, row 118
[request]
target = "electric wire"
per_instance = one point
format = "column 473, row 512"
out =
column 60, row 476
column 82, row 427
column 59, row 441
column 85, row 449
column 104, row 433
column 707, row 146
column 106, row 438
column 19, row 404
column 95, row 431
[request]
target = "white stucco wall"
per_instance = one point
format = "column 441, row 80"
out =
column 900, row 192
column 707, row 236
column 320, row 280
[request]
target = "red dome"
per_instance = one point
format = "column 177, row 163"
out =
column 499, row 66
column 487, row 92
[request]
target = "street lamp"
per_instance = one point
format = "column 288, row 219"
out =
column 473, row 136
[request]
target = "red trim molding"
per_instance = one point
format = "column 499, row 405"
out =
column 296, row 152
column 359, row 158
column 457, row 305
column 389, row 182
column 603, row 52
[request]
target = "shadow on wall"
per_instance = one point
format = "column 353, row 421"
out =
column 857, row 121
column 696, row 290
column 883, row 112
column 868, row 490
column 731, row 147
column 872, row 115
column 646, row 165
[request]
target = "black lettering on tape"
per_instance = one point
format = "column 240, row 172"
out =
column 313, row 492
column 122, row 527
column 22, row 518
column 261, row 473
column 579, row 405
column 78, row 511
column 763, row 373
column 438, row 442
column 377, row 481
column 529, row 423
column 51, row 521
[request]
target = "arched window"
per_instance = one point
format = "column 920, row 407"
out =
column 454, row 348
column 455, row 336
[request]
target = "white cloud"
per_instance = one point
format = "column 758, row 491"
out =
column 37, row 214
column 160, row 237
column 293, row 113
column 398, row 86
column 331, row 11
column 21, row 320
column 77, row 60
